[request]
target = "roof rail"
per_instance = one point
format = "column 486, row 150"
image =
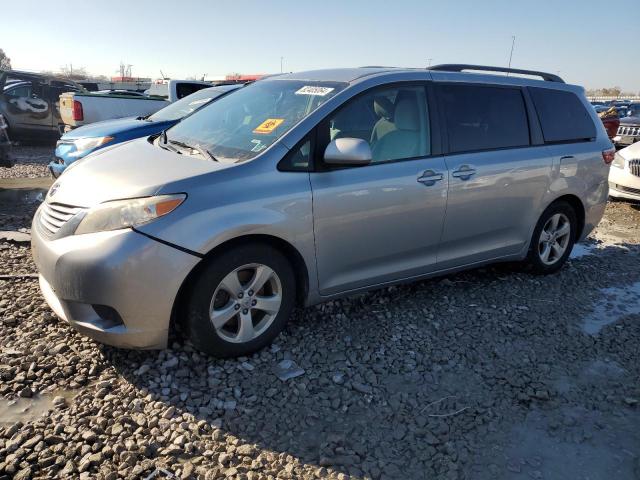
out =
column 460, row 67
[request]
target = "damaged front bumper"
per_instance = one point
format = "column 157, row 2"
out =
column 117, row 287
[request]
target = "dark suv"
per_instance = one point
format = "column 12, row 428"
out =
column 29, row 103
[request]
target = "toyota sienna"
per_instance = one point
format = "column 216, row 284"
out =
column 308, row 186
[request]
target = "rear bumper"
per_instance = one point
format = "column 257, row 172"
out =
column 116, row 287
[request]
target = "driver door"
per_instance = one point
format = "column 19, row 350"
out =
column 381, row 222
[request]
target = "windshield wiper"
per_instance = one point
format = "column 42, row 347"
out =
column 201, row 150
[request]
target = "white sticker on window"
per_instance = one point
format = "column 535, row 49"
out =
column 311, row 90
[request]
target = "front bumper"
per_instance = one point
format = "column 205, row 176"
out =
column 116, row 287
column 623, row 184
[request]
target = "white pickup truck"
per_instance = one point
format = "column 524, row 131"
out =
column 82, row 108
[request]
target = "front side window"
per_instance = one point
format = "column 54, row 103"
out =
column 185, row 89
column 484, row 118
column 394, row 120
column 562, row 115
column 240, row 126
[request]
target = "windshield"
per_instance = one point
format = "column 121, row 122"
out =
column 188, row 104
column 238, row 127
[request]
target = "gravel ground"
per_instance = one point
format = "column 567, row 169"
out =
column 489, row 374
column 30, row 161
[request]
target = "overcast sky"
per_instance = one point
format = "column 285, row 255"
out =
column 587, row 41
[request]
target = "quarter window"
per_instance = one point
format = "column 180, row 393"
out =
column 562, row 115
column 484, row 118
column 394, row 121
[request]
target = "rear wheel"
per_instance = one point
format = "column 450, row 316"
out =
column 240, row 301
column 553, row 238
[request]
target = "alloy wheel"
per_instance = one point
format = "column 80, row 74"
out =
column 245, row 303
column 554, row 238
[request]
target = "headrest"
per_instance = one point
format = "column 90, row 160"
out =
column 383, row 107
column 406, row 115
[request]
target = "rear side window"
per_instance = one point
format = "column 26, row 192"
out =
column 184, row 89
column 484, row 118
column 562, row 115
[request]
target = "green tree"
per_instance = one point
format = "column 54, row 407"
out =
column 5, row 62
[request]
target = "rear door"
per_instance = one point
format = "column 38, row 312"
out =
column 381, row 222
column 497, row 177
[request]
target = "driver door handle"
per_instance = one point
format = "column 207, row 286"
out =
column 429, row 177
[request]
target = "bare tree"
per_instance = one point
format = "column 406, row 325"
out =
column 5, row 62
column 72, row 73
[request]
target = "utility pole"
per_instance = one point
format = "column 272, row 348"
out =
column 429, row 62
column 281, row 58
column 513, row 43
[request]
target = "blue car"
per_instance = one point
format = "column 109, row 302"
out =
column 82, row 141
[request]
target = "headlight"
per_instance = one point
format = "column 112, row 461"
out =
column 83, row 144
column 128, row 213
column 618, row 161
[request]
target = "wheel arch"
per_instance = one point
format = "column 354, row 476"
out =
column 298, row 264
column 578, row 207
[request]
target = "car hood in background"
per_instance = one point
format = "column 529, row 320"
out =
column 630, row 121
column 631, row 152
column 128, row 170
column 113, row 127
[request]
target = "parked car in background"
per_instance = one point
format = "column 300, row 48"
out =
column 624, row 177
column 610, row 120
column 82, row 141
column 5, row 145
column 628, row 131
column 29, row 103
column 77, row 109
column 309, row 186
column 622, row 110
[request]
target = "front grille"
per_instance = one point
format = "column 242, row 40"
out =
column 54, row 215
column 632, row 130
column 634, row 167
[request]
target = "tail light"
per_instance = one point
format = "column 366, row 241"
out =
column 608, row 156
column 78, row 114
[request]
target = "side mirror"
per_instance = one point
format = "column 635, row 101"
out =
column 348, row 151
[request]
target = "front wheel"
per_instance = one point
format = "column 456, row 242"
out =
column 553, row 238
column 240, row 301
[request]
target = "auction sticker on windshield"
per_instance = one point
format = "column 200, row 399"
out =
column 311, row 90
column 269, row 125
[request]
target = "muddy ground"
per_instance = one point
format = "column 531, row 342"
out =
column 488, row 374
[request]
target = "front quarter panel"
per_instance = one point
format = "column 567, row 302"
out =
column 249, row 199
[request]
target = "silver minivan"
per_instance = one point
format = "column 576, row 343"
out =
column 308, row 186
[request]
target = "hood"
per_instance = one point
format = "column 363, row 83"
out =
column 132, row 169
column 113, row 127
column 630, row 121
column 631, row 152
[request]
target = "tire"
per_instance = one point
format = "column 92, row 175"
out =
column 243, row 327
column 545, row 259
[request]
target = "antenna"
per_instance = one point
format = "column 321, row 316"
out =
column 513, row 43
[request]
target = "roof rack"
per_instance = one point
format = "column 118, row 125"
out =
column 460, row 67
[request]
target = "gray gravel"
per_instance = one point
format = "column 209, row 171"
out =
column 487, row 374
column 30, row 161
